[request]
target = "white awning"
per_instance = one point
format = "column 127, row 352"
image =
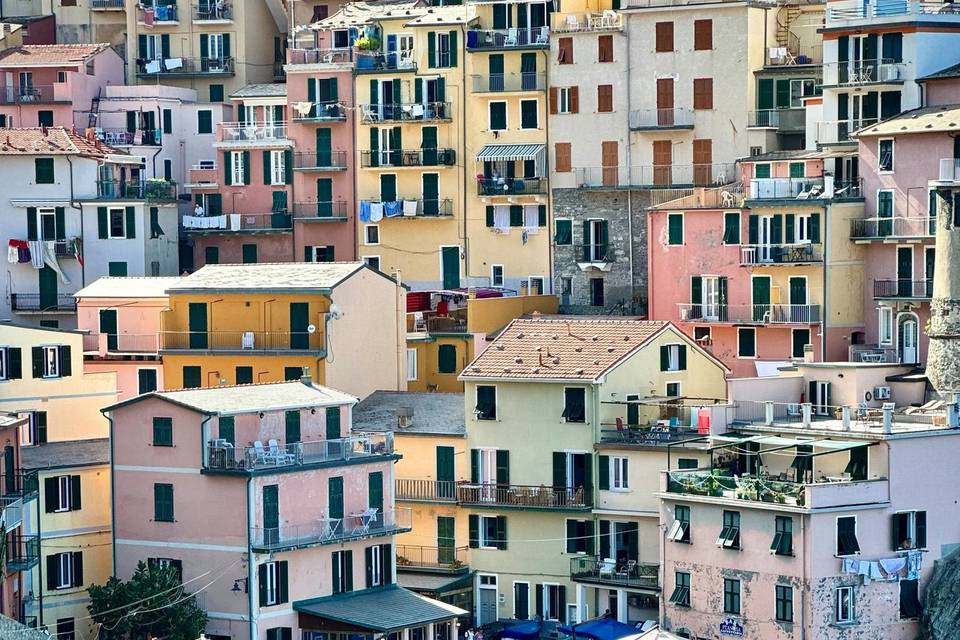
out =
column 513, row 152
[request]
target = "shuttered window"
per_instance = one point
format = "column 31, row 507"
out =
column 447, row 358
column 561, row 159
column 204, row 121
column 605, row 98
column 162, row 432
column 163, row 502
column 702, row 35
column 675, row 228
column 565, row 51
column 498, row 116
column 703, row 93
column 528, row 114
column 664, row 37
column 43, row 168
column 605, row 48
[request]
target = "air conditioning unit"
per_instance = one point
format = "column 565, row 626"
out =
column 881, row 393
column 448, row 157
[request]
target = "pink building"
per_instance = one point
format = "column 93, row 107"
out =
column 811, row 521
column 268, row 488
column 55, row 84
column 122, row 319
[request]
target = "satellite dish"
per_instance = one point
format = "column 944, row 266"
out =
column 311, row 328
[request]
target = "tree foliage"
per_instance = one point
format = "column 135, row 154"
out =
column 941, row 611
column 163, row 607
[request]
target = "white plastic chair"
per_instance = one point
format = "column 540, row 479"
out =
column 543, row 37
column 608, row 567
column 279, row 455
column 259, row 453
column 417, row 111
column 369, row 113
column 573, row 24
column 511, row 39
column 246, row 341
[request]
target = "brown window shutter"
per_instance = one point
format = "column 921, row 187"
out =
column 664, row 37
column 574, row 96
column 703, row 35
column 605, row 98
column 605, row 49
column 703, row 151
column 703, row 93
column 565, row 47
column 561, row 152
column 553, row 100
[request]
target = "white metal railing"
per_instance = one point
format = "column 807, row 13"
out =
column 749, row 313
column 896, row 227
column 858, row 72
column 252, row 131
column 660, row 118
column 950, row 170
column 793, row 253
column 833, row 131
column 219, row 454
column 884, row 9
column 608, row 20
column 358, row 524
column 800, row 188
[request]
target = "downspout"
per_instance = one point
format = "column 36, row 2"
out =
column 153, row 160
column 113, row 502
column 826, row 284
column 463, row 147
column 250, row 623
column 74, row 205
column 629, row 180
column 40, row 566
column 546, row 84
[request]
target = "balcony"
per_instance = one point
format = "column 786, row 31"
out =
column 648, row 436
column 872, row 353
column 355, row 526
column 121, row 343
column 220, row 456
column 902, row 289
column 235, row 223
column 252, row 134
column 216, row 11
column 151, row 190
column 892, row 10
column 408, row 158
column 893, row 229
column 158, row 14
column 320, row 211
column 406, row 112
column 43, row 303
column 414, row 490
column 608, row 20
column 661, row 119
column 377, row 62
column 318, row 112
column 320, row 56
column 511, row 38
column 138, row 138
column 186, row 67
column 786, row 188
column 856, row 73
column 839, row 131
column 517, row 496
column 650, row 176
column 415, row 208
column 35, row 94
column 439, row 559
column 320, row 161
column 594, row 255
column 782, row 120
column 511, row 186
column 758, row 255
column 431, row 323
column 23, row 552
column 509, row 82
column 21, row 484
column 107, row 5
column 762, row 314
column 949, row 170
column 240, row 341
column 794, row 54
column 624, row 574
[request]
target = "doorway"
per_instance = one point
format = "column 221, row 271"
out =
column 907, row 328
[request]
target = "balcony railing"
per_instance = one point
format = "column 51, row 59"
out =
column 320, row 56
column 252, row 132
column 903, row 289
column 771, row 254
column 416, row 207
column 122, row 137
column 32, row 94
column 320, row 160
column 431, row 323
column 861, row 72
column 837, row 131
column 609, row 20
column 776, row 188
column 140, row 343
column 409, row 158
column 186, row 66
column 318, row 111
column 525, row 496
column 510, row 186
column 406, row 112
column 212, row 11
column 22, row 483
column 783, row 120
column 157, row 13
column 426, row 490
column 238, row 223
column 593, row 252
column 158, row 190
column 221, row 456
column 412, row 557
column 648, row 436
column 107, row 4
column 794, row 54
column 661, row 119
column 624, row 573
column 332, row 530
column 750, row 313
column 319, row 210
column 893, row 228
column 949, row 170
column 872, row 353
column 375, row 62
column 508, row 38
column 241, row 340
column 35, row 302
column 669, row 175
column 503, row 82
column 886, row 9
column 23, row 552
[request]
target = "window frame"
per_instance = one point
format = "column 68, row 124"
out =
column 482, row 541
column 782, row 544
column 64, row 494
column 681, row 589
column 563, row 100
column 729, row 537
column 783, row 603
column 551, row 591
column 672, row 383
column 4, row 363
column 368, row 260
column 673, row 216
column 278, row 168
column 536, row 114
column 237, row 176
column 844, row 598
column 506, row 115
column 51, row 365
column 563, row 416
column 856, row 538
column 732, row 604
column 680, row 529
column 911, row 529
column 885, row 337
column 271, row 587
column 64, row 571
column 883, row 168
column 123, row 223
column 493, row 275
column 415, row 365
column 376, row 565
column 740, row 355
column 619, row 473
column 726, row 216
column 476, row 397
column 367, row 228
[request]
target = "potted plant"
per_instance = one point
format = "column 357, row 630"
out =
column 371, row 46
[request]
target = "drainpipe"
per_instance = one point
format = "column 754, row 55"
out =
column 463, row 147
column 629, row 179
column 546, row 84
column 252, row 633
column 75, row 205
column 113, row 501
column 826, row 285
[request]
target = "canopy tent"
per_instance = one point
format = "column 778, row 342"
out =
column 529, row 630
column 600, row 629
column 514, row 152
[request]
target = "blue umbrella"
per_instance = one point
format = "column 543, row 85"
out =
column 529, row 630
column 600, row 629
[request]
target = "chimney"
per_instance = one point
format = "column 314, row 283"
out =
column 305, row 377
column 404, row 417
column 43, row 130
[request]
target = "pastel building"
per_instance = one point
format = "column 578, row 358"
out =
column 239, row 324
column 121, row 318
column 303, row 519
column 532, row 509
column 823, row 532
column 56, row 84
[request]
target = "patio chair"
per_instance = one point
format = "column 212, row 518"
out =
column 246, row 340
column 572, row 23
column 260, row 456
column 417, row 111
column 511, row 39
column 608, row 567
column 543, row 36
column 279, row 456
column 369, row 113
column 609, row 18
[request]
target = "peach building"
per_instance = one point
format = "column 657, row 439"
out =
column 122, row 319
column 270, row 490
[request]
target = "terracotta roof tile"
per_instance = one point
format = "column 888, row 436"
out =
column 50, row 141
column 564, row 348
column 32, row 55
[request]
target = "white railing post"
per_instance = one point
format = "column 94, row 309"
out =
column 806, row 411
column 768, row 412
column 845, row 416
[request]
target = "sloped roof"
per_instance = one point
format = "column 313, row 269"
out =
column 272, row 90
column 454, row 14
column 291, row 276
column 67, row 453
column 127, row 287
column 45, row 55
column 926, row 120
column 433, row 413
column 953, row 71
column 359, row 13
column 51, row 141
column 561, row 348
column 388, row 608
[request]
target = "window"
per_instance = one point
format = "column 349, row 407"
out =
column 498, row 116
column 163, row 502
column 596, row 292
column 272, row 583
column 619, row 473
column 411, row 364
column 782, row 544
column 117, row 269
column 248, row 253
column 673, row 357
column 61, row 493
column 563, row 236
column 65, row 570
column 605, row 98
column 605, row 48
column 371, row 234
column 372, row 261
column 680, row 529
column 847, row 544
column 379, row 562
column 535, row 286
column 562, row 158
column 521, row 600
column 844, row 603
column 664, row 37
column 116, row 222
column 731, row 227
column 486, row 408
column 746, row 342
column 885, row 155
column 885, row 327
column 167, row 563
column 490, row 532
column 43, row 170
column 444, row 50
column 162, row 432
column 800, row 338
column 909, row 530
column 681, row 589
column 278, row 168
column 673, row 389
column 565, row 50
column 703, row 336
column 237, row 169
column 447, row 358
column 580, row 536
column 729, row 537
column 528, row 114
column 702, row 35
column 554, row 597
column 66, row 627
column 318, row 253
column 204, row 121
column 574, row 405
column 51, row 362
column 675, row 228
column 11, row 367
column 35, row 432
column 761, row 171
column 703, row 93
column 565, row 100
column 804, row 228
column 784, row 599
column 731, row 596
column 216, row 93
column 496, row 275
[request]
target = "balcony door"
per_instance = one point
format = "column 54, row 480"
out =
column 904, row 272
column 907, row 330
column 798, row 299
column 761, row 298
column 271, row 514
column 711, row 299
column 299, row 323
column 665, row 102
column 929, row 261
column 108, row 326
column 662, row 162
column 445, row 472
column 197, row 325
column 48, row 288
column 446, row 539
column 764, row 239
column 610, row 160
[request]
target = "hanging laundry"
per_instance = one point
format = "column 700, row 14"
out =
column 36, row 253
column 392, row 209
column 50, row 259
column 376, row 211
column 364, row 211
column 13, row 250
column 409, row 208
column 148, row 15
column 78, row 250
column 850, row 565
column 914, row 560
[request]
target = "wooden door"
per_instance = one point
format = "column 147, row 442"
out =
column 662, row 162
column 702, row 162
column 610, row 155
column 664, row 102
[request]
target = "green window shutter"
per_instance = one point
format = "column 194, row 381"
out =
column 132, row 121
column 32, row 233
column 205, row 122
column 431, row 49
column 226, row 45
column 333, row 423
column 292, row 426
column 216, row 93
column 249, row 253
column 165, row 45
column 163, row 502
column 797, row 169
column 43, row 170
column 683, row 357
column 227, row 169
column 696, row 290
column 266, row 167
column 542, row 215
column 474, row 530
column 765, row 93
column 162, row 431
column 375, row 491
column 447, row 358
column 503, row 466
column 453, row 48
column 761, row 170
column 374, row 147
column 75, row 493
column 102, row 223
column 396, row 91
column 675, row 228
column 474, row 465
column 418, row 90
column 664, row 358
column 789, row 232
column 191, row 377
column 815, row 228
column 777, row 229
column 131, row 223
column 167, row 120
column 731, row 228
column 502, row 533
column 783, row 94
column 559, row 469
column 283, row 593
column 603, row 468
column 374, row 91
column 564, row 232
column 573, row 537
column 227, row 426
column 516, row 215
column 388, row 188
column 441, row 90
column 335, row 571
column 335, row 497
column 489, row 215
column 288, row 167
column 246, row 167
column 753, row 229
column 142, row 46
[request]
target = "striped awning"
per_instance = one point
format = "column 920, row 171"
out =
column 512, row 152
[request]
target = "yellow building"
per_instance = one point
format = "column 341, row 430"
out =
column 251, row 323
column 65, row 442
column 536, row 401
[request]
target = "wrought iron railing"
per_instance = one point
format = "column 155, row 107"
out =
column 222, row 456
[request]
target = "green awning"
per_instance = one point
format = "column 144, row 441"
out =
column 513, row 152
column 383, row 609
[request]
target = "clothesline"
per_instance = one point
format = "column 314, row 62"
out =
column 40, row 253
column 905, row 566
